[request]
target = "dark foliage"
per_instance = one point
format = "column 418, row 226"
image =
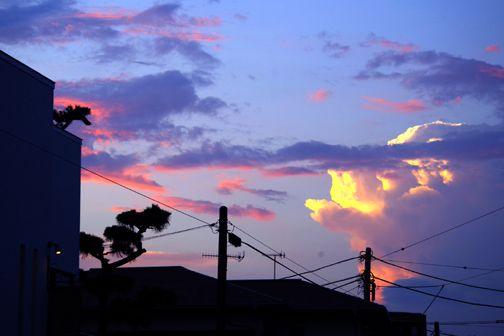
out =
column 90, row 245
column 153, row 218
column 63, row 118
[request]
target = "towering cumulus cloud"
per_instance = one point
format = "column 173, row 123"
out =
column 387, row 208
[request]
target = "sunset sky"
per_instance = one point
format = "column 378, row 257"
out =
column 325, row 127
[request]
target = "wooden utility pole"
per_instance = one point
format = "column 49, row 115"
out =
column 221, row 272
column 367, row 274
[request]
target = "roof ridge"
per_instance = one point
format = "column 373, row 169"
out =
column 253, row 291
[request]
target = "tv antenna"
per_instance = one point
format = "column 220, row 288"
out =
column 281, row 255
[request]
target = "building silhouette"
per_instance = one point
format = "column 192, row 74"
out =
column 40, row 206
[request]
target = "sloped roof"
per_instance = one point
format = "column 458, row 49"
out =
column 299, row 294
column 196, row 290
column 192, row 288
column 23, row 67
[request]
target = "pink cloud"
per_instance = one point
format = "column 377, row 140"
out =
column 85, row 151
column 100, row 16
column 120, row 209
column 133, row 176
column 211, row 208
column 380, row 104
column 493, row 48
column 226, row 186
column 240, row 17
column 404, row 48
column 320, row 96
column 194, row 36
column 493, row 71
column 207, row 22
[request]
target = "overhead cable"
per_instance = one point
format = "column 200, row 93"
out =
column 267, row 256
column 443, row 232
column 469, row 322
column 103, row 177
column 434, row 299
column 272, row 249
column 437, row 278
column 442, row 297
column 333, row 282
column 448, row 266
column 320, row 268
column 175, row 232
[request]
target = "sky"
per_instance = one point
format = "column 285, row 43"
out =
column 325, row 128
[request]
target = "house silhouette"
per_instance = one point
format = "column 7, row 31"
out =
column 254, row 307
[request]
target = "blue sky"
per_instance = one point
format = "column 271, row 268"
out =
column 325, row 127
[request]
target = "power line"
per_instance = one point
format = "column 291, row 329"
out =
column 333, row 282
column 104, row 177
column 445, row 231
column 469, row 322
column 448, row 266
column 441, row 297
column 154, row 200
column 175, row 232
column 442, row 333
column 320, row 268
column 348, row 283
column 434, row 299
column 267, row 256
column 437, row 278
column 310, row 281
column 272, row 249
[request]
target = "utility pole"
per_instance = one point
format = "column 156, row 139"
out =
column 221, row 272
column 367, row 274
column 436, row 328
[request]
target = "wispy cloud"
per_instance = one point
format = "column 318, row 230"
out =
column 493, row 48
column 385, row 105
column 123, row 169
column 320, row 96
column 441, row 77
column 227, row 186
column 139, row 107
column 211, row 208
column 331, row 47
column 401, row 47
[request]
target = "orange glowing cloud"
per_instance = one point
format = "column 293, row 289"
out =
column 320, row 96
column 457, row 100
column 414, row 133
column 380, row 104
column 388, row 273
column 493, row 48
